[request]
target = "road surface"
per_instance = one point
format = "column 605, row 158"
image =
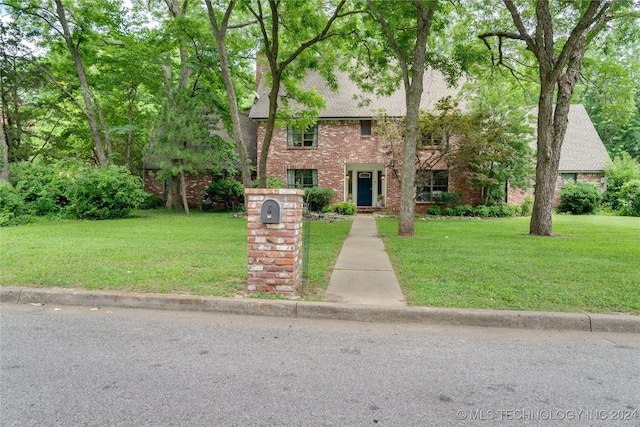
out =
column 84, row 366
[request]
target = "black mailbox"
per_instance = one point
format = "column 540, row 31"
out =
column 270, row 212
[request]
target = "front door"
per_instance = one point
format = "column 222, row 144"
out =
column 365, row 187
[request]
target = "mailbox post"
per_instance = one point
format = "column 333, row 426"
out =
column 274, row 240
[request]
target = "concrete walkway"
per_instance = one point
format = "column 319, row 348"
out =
column 363, row 273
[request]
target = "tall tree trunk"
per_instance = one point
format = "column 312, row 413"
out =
column 183, row 191
column 413, row 86
column 173, row 193
column 84, row 85
column 220, row 32
column 4, row 174
column 268, row 134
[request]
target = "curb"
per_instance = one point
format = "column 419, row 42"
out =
column 325, row 310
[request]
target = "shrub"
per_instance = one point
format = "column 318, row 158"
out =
column 317, row 198
column 225, row 189
column 621, row 170
column 447, row 198
column 482, row 211
column 630, row 198
column 463, row 210
column 579, row 198
column 42, row 186
column 434, row 210
column 527, row 206
column 11, row 205
column 152, row 201
column 104, row 193
column 448, row 212
column 342, row 208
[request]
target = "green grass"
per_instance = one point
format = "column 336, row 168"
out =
column 154, row 251
column 592, row 264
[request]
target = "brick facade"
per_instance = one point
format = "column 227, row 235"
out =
column 342, row 154
column 274, row 250
column 196, row 186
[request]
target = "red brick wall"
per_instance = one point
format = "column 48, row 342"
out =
column 196, row 184
column 340, row 143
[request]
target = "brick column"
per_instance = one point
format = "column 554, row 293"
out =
column 275, row 250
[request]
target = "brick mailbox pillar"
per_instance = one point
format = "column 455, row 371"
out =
column 274, row 240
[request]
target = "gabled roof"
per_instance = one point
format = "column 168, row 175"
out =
column 582, row 148
column 346, row 102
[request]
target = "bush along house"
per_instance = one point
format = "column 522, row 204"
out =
column 347, row 150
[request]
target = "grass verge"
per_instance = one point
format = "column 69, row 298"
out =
column 153, row 251
column 591, row 265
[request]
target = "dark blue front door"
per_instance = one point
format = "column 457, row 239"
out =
column 364, row 189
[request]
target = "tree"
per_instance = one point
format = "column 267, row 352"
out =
column 288, row 32
column 559, row 58
column 220, row 28
column 495, row 147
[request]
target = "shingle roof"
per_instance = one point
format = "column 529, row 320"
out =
column 346, row 102
column 582, row 148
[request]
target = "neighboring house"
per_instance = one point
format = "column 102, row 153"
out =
column 583, row 156
column 343, row 151
column 197, row 183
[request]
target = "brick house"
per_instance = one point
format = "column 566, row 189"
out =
column 343, row 151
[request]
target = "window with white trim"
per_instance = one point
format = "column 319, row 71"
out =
column 302, row 178
column 302, row 137
column 429, row 183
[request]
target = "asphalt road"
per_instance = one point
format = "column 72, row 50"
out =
column 74, row 366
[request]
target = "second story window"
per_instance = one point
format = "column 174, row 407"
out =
column 365, row 127
column 302, row 138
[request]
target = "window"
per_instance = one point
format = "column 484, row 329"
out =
column 302, row 138
column 302, row 178
column 365, row 127
column 430, row 139
column 429, row 183
column 567, row 176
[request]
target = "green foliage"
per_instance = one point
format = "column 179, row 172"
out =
column 579, row 198
column 152, row 201
column 317, row 198
column 630, row 198
column 70, row 189
column 342, row 208
column 447, row 198
column 272, row 182
column 225, row 189
column 463, row 210
column 434, row 210
column 43, row 187
column 104, row 193
column 621, row 170
column 12, row 208
column 527, row 206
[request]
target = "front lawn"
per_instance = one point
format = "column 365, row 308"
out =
column 592, row 264
column 154, row 251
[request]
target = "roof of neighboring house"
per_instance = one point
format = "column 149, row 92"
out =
column 346, row 102
column 582, row 148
